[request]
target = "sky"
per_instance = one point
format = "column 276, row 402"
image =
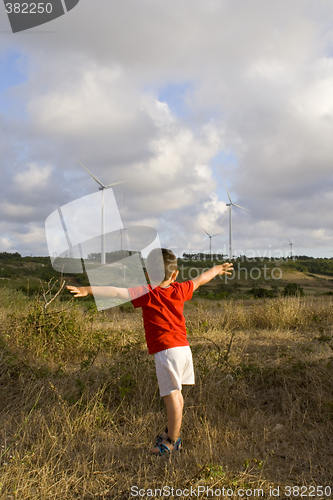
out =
column 180, row 99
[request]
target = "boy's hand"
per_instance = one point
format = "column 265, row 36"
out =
column 225, row 268
column 80, row 292
column 211, row 273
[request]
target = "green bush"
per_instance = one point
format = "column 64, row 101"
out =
column 293, row 289
column 259, row 292
column 53, row 329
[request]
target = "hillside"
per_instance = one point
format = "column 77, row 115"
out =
column 314, row 276
column 252, row 277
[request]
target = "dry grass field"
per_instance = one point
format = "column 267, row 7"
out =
column 80, row 404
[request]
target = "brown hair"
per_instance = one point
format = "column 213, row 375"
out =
column 161, row 263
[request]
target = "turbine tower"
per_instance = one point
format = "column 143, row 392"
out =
column 231, row 204
column 102, row 188
column 210, row 236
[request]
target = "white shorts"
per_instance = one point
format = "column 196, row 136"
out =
column 174, row 367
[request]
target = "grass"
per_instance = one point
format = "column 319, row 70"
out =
column 80, row 404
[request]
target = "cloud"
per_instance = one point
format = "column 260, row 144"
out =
column 95, row 102
column 35, row 178
column 16, row 212
column 6, row 244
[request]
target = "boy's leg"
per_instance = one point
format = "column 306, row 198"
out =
column 174, row 367
column 174, row 404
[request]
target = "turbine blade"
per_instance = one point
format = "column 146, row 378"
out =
column 120, row 231
column 217, row 234
column 238, row 206
column 205, row 231
column 227, row 191
column 225, row 215
column 115, row 183
column 95, row 178
column 288, row 240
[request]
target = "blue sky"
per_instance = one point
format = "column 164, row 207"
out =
column 174, row 94
column 13, row 69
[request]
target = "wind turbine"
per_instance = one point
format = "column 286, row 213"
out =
column 102, row 188
column 210, row 236
column 231, row 204
column 120, row 235
column 291, row 248
column 121, row 247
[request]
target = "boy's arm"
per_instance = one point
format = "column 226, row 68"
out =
column 211, row 273
column 100, row 291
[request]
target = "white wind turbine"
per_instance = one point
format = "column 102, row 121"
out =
column 102, row 188
column 121, row 247
column 210, row 236
column 291, row 248
column 121, row 237
column 231, row 204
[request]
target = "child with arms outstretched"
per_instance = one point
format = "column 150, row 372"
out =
column 165, row 330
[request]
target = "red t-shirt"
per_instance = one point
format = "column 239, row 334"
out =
column 162, row 311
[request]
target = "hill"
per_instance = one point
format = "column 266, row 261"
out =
column 254, row 277
column 260, row 277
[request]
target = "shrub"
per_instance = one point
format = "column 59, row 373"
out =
column 262, row 292
column 293, row 289
column 53, row 330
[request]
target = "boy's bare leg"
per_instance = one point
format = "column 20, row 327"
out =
column 174, row 404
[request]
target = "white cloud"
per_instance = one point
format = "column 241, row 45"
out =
column 25, row 238
column 6, row 243
column 100, row 101
column 35, row 178
column 16, row 211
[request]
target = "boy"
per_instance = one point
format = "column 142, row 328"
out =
column 165, row 330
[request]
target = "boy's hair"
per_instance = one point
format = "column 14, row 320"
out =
column 161, row 263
